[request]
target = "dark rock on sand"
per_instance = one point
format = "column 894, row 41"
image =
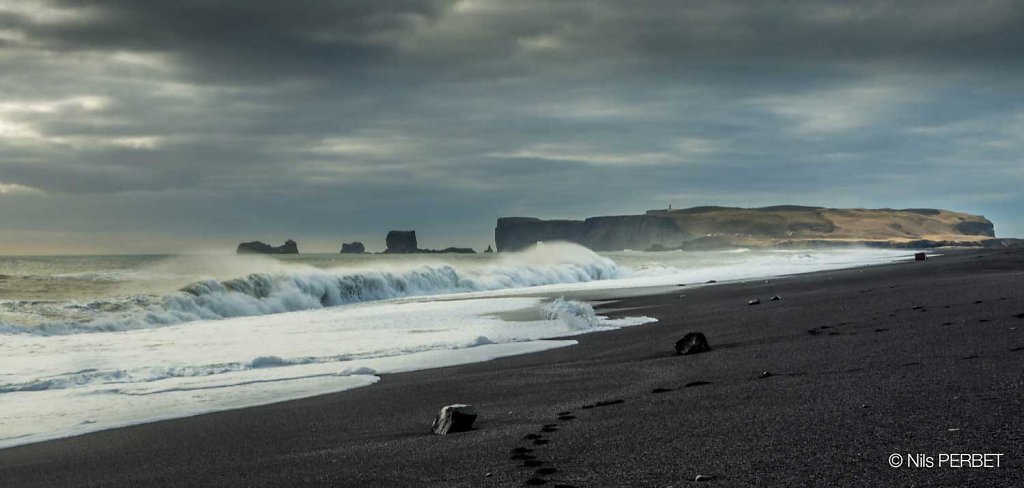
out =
column 257, row 247
column 704, row 477
column 692, row 343
column 454, row 418
column 754, row 302
column 353, row 248
column 775, row 298
column 920, row 256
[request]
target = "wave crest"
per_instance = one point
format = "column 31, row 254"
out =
column 310, row 288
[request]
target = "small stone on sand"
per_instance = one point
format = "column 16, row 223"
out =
column 704, row 477
column 754, row 302
column 776, row 298
column 692, row 343
column 454, row 418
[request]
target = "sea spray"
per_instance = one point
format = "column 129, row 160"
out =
column 302, row 287
column 577, row 315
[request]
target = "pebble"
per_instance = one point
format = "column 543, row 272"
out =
column 754, row 302
column 704, row 477
column 776, row 298
column 765, row 374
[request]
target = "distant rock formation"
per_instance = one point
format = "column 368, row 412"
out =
column 637, row 232
column 401, row 242
column 447, row 250
column 404, row 242
column 257, row 247
column 701, row 228
column 353, row 248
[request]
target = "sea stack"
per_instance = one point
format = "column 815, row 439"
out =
column 257, row 247
column 401, row 242
column 353, row 248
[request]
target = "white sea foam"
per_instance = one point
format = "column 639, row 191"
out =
column 53, row 386
column 288, row 330
column 286, row 288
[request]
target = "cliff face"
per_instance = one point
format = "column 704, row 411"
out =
column 636, row 232
column 257, row 247
column 728, row 226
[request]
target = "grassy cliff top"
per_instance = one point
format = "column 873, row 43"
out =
column 799, row 222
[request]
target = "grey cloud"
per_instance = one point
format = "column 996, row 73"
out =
column 314, row 118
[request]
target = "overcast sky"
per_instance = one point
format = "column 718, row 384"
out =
column 152, row 126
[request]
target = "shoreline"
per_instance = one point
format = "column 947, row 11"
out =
column 596, row 293
column 305, row 441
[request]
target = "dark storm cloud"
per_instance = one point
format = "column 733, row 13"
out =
column 308, row 117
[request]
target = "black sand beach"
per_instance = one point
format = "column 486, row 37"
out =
column 913, row 358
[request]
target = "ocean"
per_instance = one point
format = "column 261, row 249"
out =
column 95, row 342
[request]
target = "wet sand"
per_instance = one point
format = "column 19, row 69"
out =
column 912, row 358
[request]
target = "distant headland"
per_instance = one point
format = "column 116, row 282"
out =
column 782, row 226
column 709, row 228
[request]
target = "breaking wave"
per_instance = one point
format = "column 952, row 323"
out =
column 308, row 288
